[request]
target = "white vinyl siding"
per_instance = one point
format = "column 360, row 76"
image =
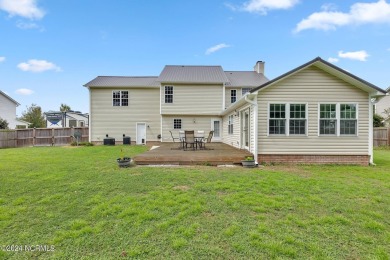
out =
column 313, row 86
column 188, row 122
column 193, row 100
column 228, row 100
column 143, row 106
column 231, row 139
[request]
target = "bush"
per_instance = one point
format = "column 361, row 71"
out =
column 378, row 121
column 3, row 124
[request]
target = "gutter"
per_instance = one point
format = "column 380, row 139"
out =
column 255, row 125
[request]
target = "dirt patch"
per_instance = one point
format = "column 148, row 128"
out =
column 182, row 188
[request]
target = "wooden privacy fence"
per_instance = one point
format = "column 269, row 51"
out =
column 381, row 136
column 42, row 136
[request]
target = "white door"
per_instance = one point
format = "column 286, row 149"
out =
column 141, row 133
column 216, row 126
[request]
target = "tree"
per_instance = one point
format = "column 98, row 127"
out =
column 378, row 121
column 64, row 107
column 34, row 116
column 3, row 124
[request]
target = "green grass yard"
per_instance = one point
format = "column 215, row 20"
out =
column 80, row 202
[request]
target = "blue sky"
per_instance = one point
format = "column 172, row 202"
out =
column 49, row 49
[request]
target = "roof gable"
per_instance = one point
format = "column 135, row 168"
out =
column 331, row 69
column 192, row 74
column 8, row 97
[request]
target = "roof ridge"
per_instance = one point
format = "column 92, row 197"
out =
column 129, row 76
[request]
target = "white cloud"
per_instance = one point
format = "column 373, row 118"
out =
column 333, row 60
column 24, row 8
column 24, row 91
column 263, row 6
column 2, row 59
column 216, row 48
column 360, row 13
column 38, row 66
column 388, row 49
column 356, row 55
column 27, row 26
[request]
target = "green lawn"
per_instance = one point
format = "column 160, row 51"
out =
column 80, row 202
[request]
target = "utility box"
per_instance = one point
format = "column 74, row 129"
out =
column 109, row 141
column 127, row 140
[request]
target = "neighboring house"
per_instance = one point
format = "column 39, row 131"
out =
column 69, row 118
column 8, row 112
column 382, row 105
column 316, row 113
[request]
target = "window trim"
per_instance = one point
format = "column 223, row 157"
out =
column 173, row 94
column 287, row 119
column 181, row 123
column 231, row 96
column 231, row 124
column 338, row 118
column 120, row 98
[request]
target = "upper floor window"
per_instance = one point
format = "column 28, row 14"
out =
column 230, row 124
column 168, row 94
column 245, row 90
column 120, row 98
column 233, row 95
column 287, row 119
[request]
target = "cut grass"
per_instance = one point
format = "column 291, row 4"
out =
column 78, row 200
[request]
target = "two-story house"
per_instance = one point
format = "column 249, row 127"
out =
column 8, row 111
column 315, row 113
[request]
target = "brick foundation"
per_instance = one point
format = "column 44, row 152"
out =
column 314, row 159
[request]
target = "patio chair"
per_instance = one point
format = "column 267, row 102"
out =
column 207, row 140
column 174, row 138
column 189, row 140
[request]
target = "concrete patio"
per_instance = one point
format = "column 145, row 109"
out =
column 169, row 154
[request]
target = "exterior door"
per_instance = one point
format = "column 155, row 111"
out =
column 216, row 126
column 245, row 129
column 141, row 133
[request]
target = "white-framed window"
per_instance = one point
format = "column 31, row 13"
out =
column 245, row 90
column 348, row 119
column 230, row 125
column 233, row 95
column 176, row 123
column 297, row 124
column 168, row 92
column 338, row 119
column 287, row 119
column 328, row 119
column 120, row 98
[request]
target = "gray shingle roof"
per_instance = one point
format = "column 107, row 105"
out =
column 117, row 81
column 245, row 79
column 193, row 74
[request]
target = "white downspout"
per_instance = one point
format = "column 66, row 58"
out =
column 223, row 97
column 255, row 125
column 370, row 131
column 90, row 116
